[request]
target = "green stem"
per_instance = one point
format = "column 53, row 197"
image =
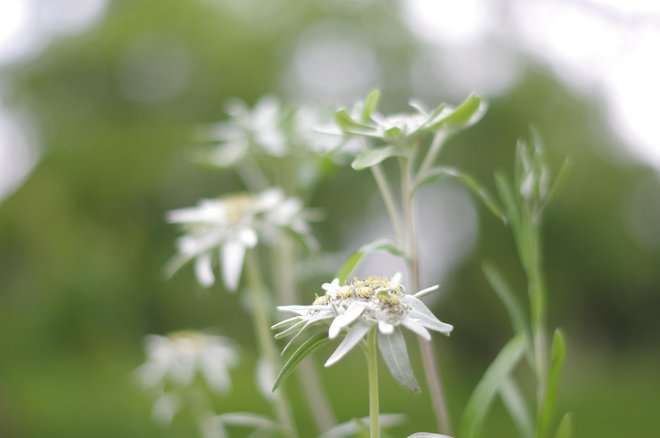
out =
column 434, row 150
column 431, row 370
column 388, row 199
column 372, row 362
column 284, row 260
column 267, row 346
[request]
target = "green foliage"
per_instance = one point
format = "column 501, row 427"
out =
column 311, row 344
column 379, row 245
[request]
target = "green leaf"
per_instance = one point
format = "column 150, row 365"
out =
column 565, row 429
column 517, row 406
column 355, row 258
column 466, row 114
column 508, row 200
column 556, row 362
column 508, row 298
column 395, row 354
column 346, row 122
column 371, row 157
column 483, row 395
column 370, row 105
column 469, row 181
column 306, row 348
column 558, row 183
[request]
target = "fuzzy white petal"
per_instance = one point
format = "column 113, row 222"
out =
column 425, row 316
column 204, row 270
column 385, row 327
column 415, row 326
column 353, row 337
column 233, row 254
column 345, row 319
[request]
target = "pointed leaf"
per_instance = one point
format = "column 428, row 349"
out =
column 395, row 354
column 508, row 298
column 346, row 122
column 353, row 337
column 248, row 419
column 469, row 181
column 357, row 425
column 483, row 395
column 371, row 157
column 556, row 362
column 378, row 245
column 558, row 183
column 370, row 105
column 306, row 348
column 565, row 429
column 508, row 200
column 466, row 114
column 516, row 404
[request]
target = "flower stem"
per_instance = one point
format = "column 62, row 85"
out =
column 266, row 343
column 372, row 362
column 431, row 370
column 284, row 260
column 388, row 199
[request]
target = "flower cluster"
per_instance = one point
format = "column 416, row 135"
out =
column 223, row 229
column 360, row 306
column 174, row 361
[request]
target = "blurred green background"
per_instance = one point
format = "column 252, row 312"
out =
column 112, row 108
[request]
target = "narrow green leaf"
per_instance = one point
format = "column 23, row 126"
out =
column 466, row 114
column 346, row 122
column 370, row 105
column 395, row 355
column 506, row 295
column 306, row 348
column 355, row 258
column 517, row 406
column 469, row 181
column 558, row 183
column 556, row 362
column 371, row 157
column 565, row 429
column 483, row 395
column 508, row 200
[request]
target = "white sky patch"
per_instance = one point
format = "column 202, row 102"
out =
column 447, row 21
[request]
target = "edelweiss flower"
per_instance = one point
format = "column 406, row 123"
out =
column 363, row 121
column 224, row 228
column 177, row 358
column 361, row 306
column 259, row 128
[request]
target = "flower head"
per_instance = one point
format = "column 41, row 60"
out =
column 176, row 360
column 361, row 306
column 223, row 229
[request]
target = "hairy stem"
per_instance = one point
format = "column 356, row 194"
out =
column 431, row 370
column 265, row 340
column 372, row 363
column 388, row 199
column 284, row 260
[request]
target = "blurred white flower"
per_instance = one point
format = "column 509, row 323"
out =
column 225, row 228
column 259, row 128
column 361, row 306
column 176, row 360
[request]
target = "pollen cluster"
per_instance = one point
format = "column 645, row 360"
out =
column 379, row 294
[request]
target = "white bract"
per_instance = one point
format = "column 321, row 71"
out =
column 223, row 229
column 258, row 128
column 176, row 359
column 356, row 308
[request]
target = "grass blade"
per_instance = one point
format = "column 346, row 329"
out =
column 556, row 362
column 506, row 295
column 306, row 348
column 483, row 395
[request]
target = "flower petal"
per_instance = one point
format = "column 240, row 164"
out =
column 353, row 337
column 204, row 270
column 417, row 327
column 385, row 327
column 425, row 316
column 345, row 319
column 233, row 254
